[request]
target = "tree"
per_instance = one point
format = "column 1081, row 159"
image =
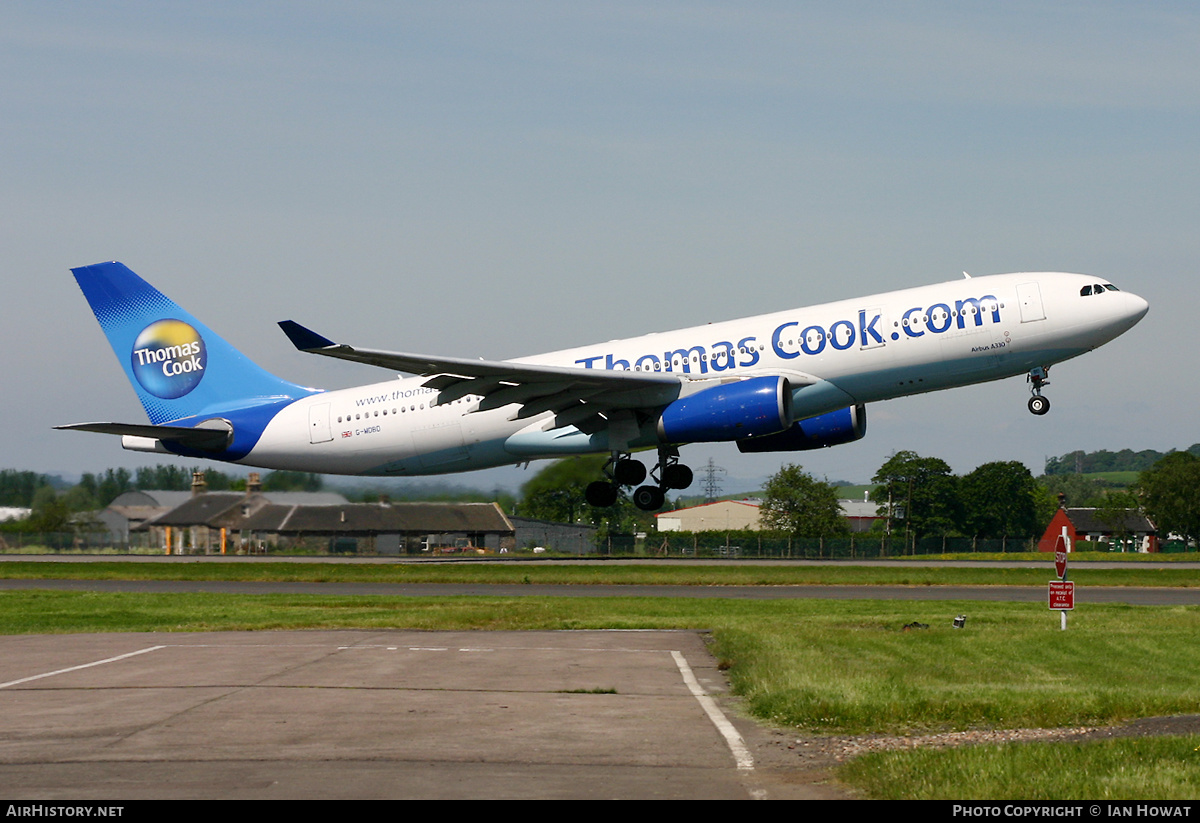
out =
column 50, row 512
column 163, row 478
column 796, row 503
column 557, row 493
column 291, row 481
column 999, row 499
column 17, row 488
column 178, row 478
column 919, row 490
column 112, row 485
column 1114, row 512
column 1171, row 495
column 1080, row 491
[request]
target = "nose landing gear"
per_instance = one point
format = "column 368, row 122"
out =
column 1038, row 377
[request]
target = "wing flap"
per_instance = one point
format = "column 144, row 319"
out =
column 441, row 367
column 535, row 388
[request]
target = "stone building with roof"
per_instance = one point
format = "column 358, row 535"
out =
column 200, row 520
column 133, row 508
column 255, row 521
column 379, row 528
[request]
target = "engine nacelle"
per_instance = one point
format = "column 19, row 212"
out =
column 831, row 429
column 730, row 411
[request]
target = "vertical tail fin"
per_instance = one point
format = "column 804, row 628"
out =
column 177, row 365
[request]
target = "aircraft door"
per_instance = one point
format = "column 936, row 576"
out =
column 318, row 423
column 1029, row 295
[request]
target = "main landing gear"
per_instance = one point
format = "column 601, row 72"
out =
column 622, row 470
column 1038, row 377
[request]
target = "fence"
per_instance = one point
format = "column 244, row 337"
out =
column 767, row 545
column 82, row 542
column 744, row 544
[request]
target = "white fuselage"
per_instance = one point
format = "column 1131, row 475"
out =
column 836, row 355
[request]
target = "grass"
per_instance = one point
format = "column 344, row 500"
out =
column 1127, row 769
column 852, row 669
column 816, row 666
column 725, row 574
column 823, row 666
column 1077, row 557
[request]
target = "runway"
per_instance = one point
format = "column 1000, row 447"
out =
column 376, row 714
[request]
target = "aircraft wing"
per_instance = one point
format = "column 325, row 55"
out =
column 577, row 396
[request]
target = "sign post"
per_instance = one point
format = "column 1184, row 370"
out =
column 1061, row 595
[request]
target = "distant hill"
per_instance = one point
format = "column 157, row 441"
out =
column 1126, row 460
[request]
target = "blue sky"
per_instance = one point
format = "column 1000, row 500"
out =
column 497, row 179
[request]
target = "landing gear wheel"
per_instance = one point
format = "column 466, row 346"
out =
column 649, row 498
column 600, row 494
column 676, row 476
column 629, row 472
column 1039, row 405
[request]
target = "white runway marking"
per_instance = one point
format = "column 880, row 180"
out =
column 737, row 745
column 77, row 668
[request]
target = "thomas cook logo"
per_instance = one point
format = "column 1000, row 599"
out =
column 169, row 358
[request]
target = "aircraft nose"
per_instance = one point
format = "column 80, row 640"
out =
column 1138, row 307
column 1130, row 309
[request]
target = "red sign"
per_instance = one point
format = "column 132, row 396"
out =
column 1062, row 595
column 1060, row 557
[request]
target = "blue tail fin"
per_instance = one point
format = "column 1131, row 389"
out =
column 177, row 365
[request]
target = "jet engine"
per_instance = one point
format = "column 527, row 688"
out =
column 729, row 411
column 831, row 429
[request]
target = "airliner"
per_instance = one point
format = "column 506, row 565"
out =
column 781, row 382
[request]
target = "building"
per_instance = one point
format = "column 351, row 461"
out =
column 197, row 520
column 723, row 515
column 379, row 528
column 1084, row 525
column 254, row 521
column 568, row 538
column 862, row 515
column 231, row 522
column 131, row 509
column 743, row 515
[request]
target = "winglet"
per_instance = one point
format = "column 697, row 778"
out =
column 305, row 339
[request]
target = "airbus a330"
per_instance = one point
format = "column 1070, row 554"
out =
column 787, row 381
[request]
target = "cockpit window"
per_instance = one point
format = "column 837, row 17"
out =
column 1111, row 287
column 1085, row 291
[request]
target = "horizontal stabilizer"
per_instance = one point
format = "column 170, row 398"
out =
column 205, row 439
